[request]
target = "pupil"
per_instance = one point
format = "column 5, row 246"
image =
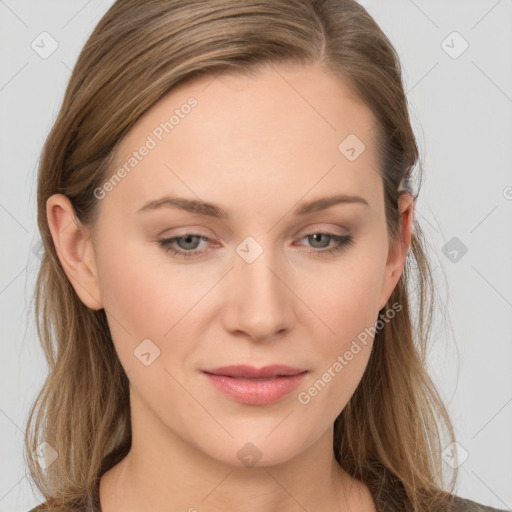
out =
column 317, row 237
column 188, row 240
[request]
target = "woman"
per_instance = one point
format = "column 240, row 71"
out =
column 227, row 211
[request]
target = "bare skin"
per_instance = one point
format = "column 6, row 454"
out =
column 258, row 147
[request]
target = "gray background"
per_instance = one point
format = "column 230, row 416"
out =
column 461, row 106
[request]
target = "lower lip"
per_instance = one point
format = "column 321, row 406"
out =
column 256, row 392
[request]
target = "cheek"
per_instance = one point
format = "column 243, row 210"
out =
column 144, row 298
column 346, row 300
column 140, row 283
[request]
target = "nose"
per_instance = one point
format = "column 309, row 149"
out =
column 259, row 301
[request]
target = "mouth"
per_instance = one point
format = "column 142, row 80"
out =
column 250, row 372
column 255, row 386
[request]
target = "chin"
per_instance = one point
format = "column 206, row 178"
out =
column 256, row 448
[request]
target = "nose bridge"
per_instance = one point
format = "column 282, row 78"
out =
column 261, row 301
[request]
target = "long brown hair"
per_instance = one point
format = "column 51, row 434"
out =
column 389, row 435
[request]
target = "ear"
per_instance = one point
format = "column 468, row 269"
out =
column 398, row 251
column 74, row 249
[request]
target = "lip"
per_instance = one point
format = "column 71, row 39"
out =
column 255, row 386
column 244, row 371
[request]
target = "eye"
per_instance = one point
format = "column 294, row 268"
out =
column 341, row 242
column 188, row 244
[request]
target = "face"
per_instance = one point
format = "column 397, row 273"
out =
column 267, row 281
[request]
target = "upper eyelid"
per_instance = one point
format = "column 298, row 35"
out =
column 306, row 231
column 300, row 237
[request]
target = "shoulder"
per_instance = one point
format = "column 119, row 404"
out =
column 466, row 505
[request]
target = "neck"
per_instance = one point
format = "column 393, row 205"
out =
column 164, row 472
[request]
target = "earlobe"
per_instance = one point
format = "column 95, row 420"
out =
column 74, row 250
column 398, row 253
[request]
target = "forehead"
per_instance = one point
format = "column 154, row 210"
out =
column 284, row 130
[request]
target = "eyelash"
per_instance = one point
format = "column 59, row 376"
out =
column 343, row 241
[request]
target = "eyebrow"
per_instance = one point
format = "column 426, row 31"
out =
column 212, row 210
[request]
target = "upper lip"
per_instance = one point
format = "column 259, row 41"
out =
column 250, row 372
